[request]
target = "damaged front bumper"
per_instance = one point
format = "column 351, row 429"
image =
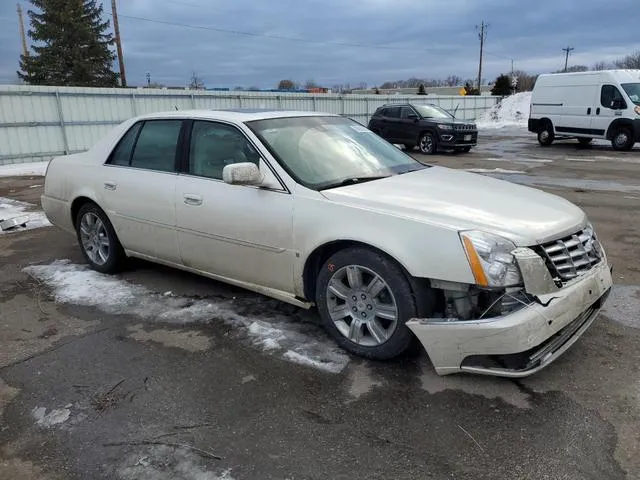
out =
column 525, row 341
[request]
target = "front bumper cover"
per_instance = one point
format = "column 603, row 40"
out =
column 542, row 330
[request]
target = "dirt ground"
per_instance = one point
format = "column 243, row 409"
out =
column 87, row 393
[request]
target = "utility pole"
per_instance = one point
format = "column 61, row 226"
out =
column 566, row 59
column 483, row 36
column 23, row 37
column 116, row 29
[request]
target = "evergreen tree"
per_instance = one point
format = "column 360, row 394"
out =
column 71, row 45
column 502, row 87
column 421, row 90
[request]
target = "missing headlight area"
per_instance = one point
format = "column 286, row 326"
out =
column 455, row 301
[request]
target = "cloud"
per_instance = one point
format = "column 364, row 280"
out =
column 423, row 38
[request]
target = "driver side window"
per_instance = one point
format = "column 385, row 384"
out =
column 608, row 94
column 216, row 145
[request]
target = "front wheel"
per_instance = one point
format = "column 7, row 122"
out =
column 622, row 139
column 364, row 300
column 98, row 241
column 546, row 135
column 427, row 143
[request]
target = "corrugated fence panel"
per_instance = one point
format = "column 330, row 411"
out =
column 40, row 122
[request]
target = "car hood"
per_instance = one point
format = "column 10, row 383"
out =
column 461, row 200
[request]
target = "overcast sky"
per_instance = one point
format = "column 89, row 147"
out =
column 348, row 41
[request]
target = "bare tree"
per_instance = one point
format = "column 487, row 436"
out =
column 630, row 61
column 526, row 81
column 453, row 81
column 310, row 84
column 602, row 66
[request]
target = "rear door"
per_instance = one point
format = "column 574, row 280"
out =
column 137, row 186
column 604, row 113
column 578, row 104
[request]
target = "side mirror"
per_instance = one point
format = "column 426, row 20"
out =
column 412, row 116
column 618, row 104
column 242, row 174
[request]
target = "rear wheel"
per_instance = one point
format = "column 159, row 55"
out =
column 364, row 300
column 584, row 141
column 546, row 135
column 427, row 143
column 98, row 240
column 622, row 139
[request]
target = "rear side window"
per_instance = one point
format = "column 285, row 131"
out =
column 156, row 146
column 122, row 153
column 609, row 94
column 393, row 112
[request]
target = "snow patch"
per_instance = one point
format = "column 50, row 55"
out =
column 167, row 463
column 10, row 208
column 272, row 332
column 512, row 111
column 54, row 417
column 24, row 169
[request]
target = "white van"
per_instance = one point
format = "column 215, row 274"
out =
column 586, row 105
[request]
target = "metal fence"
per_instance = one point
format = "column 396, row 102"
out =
column 37, row 123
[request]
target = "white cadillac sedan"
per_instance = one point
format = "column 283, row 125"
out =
column 314, row 209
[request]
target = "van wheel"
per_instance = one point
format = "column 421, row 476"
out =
column 622, row 139
column 584, row 141
column 546, row 135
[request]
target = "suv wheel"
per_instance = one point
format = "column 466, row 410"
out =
column 622, row 139
column 427, row 143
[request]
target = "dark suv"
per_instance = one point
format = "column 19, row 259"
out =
column 428, row 127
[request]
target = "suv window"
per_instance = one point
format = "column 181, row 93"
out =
column 215, row 145
column 608, row 94
column 406, row 111
column 393, row 112
column 121, row 155
column 156, row 146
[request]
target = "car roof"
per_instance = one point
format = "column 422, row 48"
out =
column 237, row 115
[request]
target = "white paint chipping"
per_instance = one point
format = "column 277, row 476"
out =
column 298, row 342
column 10, row 208
column 48, row 420
column 24, row 169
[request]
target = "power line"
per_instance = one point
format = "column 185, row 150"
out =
column 272, row 36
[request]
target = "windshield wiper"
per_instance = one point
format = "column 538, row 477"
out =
column 354, row 181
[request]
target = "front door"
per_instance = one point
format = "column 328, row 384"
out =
column 391, row 124
column 408, row 127
column 240, row 232
column 137, row 188
column 605, row 113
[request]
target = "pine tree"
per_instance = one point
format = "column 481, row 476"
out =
column 502, row 86
column 421, row 90
column 71, row 45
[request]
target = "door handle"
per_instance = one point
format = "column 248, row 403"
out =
column 598, row 111
column 194, row 200
column 589, row 111
column 110, row 185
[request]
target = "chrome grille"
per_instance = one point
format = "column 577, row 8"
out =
column 572, row 256
column 467, row 127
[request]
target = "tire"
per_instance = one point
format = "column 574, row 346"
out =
column 98, row 240
column 622, row 139
column 584, row 141
column 380, row 287
column 546, row 135
column 427, row 143
column 408, row 147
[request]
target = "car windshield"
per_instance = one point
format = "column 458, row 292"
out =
column 633, row 90
column 324, row 152
column 431, row 111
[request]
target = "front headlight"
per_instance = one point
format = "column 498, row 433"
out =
column 637, row 109
column 445, row 126
column 491, row 260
